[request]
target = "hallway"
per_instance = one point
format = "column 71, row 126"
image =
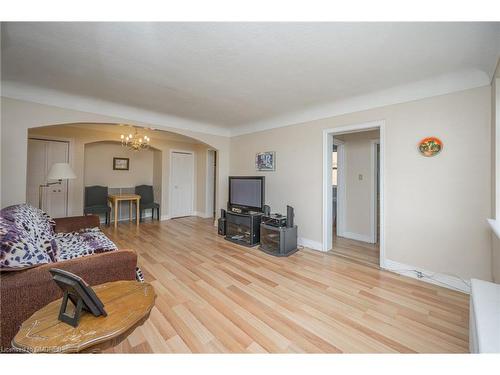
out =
column 363, row 252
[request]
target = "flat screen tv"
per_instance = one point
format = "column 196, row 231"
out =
column 247, row 192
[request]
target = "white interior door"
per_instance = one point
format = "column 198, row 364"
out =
column 182, row 184
column 42, row 154
column 36, row 170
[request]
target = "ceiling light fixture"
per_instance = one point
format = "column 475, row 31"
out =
column 136, row 141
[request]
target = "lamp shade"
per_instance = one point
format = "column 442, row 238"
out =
column 61, row 171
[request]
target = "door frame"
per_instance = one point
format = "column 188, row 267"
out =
column 341, row 192
column 207, row 213
column 373, row 192
column 328, row 134
column 193, row 177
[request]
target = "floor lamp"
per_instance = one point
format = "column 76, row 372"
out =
column 59, row 172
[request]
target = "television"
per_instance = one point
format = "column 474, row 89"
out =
column 247, row 193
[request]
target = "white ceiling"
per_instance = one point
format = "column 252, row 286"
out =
column 119, row 129
column 233, row 77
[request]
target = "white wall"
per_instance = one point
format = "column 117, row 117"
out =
column 98, row 169
column 358, row 160
column 17, row 116
column 435, row 208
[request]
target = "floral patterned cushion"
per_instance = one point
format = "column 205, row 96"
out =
column 82, row 243
column 27, row 239
column 33, row 221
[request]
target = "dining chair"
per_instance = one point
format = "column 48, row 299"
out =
column 147, row 200
column 96, row 201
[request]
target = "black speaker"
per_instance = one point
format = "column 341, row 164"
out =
column 221, row 226
column 289, row 216
column 267, row 210
column 222, row 213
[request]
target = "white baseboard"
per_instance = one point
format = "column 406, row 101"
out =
column 195, row 213
column 315, row 245
column 441, row 279
column 203, row 215
column 357, row 237
column 102, row 219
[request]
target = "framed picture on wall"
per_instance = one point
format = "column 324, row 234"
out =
column 265, row 161
column 121, row 164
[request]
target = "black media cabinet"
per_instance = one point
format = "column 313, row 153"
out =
column 243, row 228
column 278, row 241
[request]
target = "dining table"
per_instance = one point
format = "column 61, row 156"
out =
column 115, row 199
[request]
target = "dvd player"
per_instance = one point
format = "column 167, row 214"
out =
column 275, row 220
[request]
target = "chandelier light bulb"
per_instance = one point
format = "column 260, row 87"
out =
column 136, row 141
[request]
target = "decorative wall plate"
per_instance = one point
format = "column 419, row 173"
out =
column 430, row 146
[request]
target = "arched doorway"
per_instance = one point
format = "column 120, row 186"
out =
column 86, row 142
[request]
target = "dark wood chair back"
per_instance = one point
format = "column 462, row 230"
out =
column 146, row 193
column 96, row 196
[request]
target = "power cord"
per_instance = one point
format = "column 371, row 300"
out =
column 421, row 275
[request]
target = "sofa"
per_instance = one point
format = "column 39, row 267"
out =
column 32, row 243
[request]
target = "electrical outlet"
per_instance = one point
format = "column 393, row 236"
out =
column 360, row 177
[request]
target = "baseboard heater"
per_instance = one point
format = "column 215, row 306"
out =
column 484, row 325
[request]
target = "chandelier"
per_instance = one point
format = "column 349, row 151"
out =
column 136, row 141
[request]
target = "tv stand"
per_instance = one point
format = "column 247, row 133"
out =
column 243, row 228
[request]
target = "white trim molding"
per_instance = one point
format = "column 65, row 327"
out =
column 211, row 156
column 147, row 215
column 357, row 237
column 373, row 191
column 436, row 278
column 341, row 192
column 328, row 134
column 311, row 244
column 203, row 215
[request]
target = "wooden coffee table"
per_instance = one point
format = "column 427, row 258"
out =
column 127, row 303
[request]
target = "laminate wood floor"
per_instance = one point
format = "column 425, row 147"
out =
column 217, row 297
column 366, row 253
